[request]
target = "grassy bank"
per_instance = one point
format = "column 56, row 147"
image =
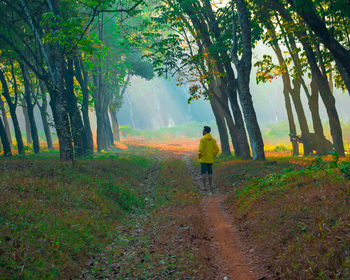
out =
column 53, row 216
column 295, row 213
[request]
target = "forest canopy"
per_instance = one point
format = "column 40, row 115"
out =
column 79, row 56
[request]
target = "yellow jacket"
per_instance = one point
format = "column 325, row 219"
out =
column 208, row 149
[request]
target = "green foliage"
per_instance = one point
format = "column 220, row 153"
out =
column 279, row 181
column 345, row 169
column 123, row 196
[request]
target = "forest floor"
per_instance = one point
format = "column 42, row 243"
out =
column 139, row 212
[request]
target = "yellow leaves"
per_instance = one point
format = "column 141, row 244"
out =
column 148, row 52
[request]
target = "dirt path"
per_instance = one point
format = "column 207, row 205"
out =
column 231, row 261
column 229, row 256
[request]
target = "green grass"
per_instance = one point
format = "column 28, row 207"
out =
column 53, row 216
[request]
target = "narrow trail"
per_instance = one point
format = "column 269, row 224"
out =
column 230, row 258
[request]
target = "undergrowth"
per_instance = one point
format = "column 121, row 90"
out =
column 298, row 218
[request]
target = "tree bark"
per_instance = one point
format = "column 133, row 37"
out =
column 4, row 140
column 30, row 110
column 327, row 97
column 27, row 122
column 304, row 127
column 115, row 124
column 43, row 113
column 82, row 79
column 314, row 108
column 6, row 123
column 77, row 126
column 12, row 107
column 220, row 121
column 343, row 74
column 107, row 123
column 244, row 66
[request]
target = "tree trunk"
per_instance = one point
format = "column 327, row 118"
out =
column 244, row 66
column 115, row 124
column 287, row 89
column 327, row 97
column 12, row 107
column 27, row 122
column 220, row 121
column 292, row 127
column 58, row 106
column 224, row 65
column 6, row 123
column 343, row 74
column 43, row 113
column 237, row 114
column 4, row 140
column 62, row 125
column 82, row 79
column 107, row 123
column 304, row 127
column 314, row 108
column 77, row 126
column 30, row 110
column 221, row 102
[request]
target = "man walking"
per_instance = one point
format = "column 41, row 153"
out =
column 208, row 149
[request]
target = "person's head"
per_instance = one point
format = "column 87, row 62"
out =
column 206, row 130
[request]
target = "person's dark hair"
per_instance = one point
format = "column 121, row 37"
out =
column 207, row 129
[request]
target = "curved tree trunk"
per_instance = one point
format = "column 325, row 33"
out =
column 30, row 110
column 77, row 126
column 62, row 125
column 6, row 123
column 327, row 98
column 241, row 131
column 292, row 127
column 115, row 124
column 12, row 107
column 220, row 121
column 4, row 140
column 314, row 108
column 107, row 123
column 244, row 66
column 304, row 127
column 43, row 113
column 27, row 122
column 82, row 79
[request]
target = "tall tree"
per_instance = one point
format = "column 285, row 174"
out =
column 244, row 65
